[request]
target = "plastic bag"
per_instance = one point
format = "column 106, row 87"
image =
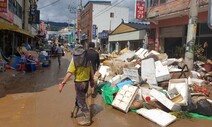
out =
column 109, row 94
column 204, row 108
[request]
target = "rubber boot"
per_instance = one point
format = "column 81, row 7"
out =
column 94, row 92
column 87, row 119
column 74, row 113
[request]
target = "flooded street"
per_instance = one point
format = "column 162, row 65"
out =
column 33, row 100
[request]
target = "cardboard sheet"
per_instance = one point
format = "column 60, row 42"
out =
column 22, row 50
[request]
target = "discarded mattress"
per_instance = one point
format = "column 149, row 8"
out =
column 158, row 116
column 125, row 97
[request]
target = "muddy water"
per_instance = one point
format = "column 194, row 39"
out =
column 33, row 100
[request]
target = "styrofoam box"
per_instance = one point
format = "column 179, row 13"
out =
column 148, row 71
column 132, row 73
column 182, row 87
column 164, row 100
column 141, row 53
column 158, row 116
column 103, row 71
column 161, row 72
column 125, row 97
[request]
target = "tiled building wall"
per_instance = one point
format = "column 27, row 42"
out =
column 170, row 7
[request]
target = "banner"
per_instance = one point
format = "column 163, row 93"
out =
column 140, row 9
column 3, row 5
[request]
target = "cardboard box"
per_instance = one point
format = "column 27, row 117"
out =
column 174, row 95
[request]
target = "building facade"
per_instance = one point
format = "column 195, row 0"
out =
column 169, row 23
column 99, row 16
column 130, row 35
column 17, row 24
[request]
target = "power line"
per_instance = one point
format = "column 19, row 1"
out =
column 108, row 9
column 49, row 4
column 105, row 8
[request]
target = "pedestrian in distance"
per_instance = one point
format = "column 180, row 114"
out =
column 71, row 47
column 93, row 56
column 59, row 51
column 82, row 70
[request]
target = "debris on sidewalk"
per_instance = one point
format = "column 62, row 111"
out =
column 155, row 86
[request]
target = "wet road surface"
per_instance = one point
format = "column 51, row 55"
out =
column 33, row 100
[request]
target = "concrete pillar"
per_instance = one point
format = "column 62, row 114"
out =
column 13, row 43
column 108, row 47
column 157, row 38
column 191, row 33
column 145, row 41
column 128, row 45
column 117, row 46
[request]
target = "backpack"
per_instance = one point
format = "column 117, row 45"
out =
column 79, row 56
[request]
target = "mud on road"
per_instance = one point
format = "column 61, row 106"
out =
column 33, row 100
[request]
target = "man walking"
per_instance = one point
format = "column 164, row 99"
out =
column 59, row 51
column 81, row 67
column 93, row 56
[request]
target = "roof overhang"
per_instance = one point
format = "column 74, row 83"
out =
column 12, row 27
column 135, row 35
column 179, row 13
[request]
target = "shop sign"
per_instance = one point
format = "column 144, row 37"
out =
column 9, row 16
column 103, row 35
column 94, row 31
column 140, row 9
column 3, row 5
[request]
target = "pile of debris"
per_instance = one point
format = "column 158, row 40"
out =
column 154, row 86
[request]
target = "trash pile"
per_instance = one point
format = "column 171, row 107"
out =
column 26, row 60
column 154, row 86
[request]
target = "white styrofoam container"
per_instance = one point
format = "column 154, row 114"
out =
column 125, row 97
column 182, row 87
column 197, row 81
column 164, row 100
column 148, row 71
column 103, row 71
column 132, row 73
column 116, row 79
column 141, row 53
column 158, row 116
column 161, row 72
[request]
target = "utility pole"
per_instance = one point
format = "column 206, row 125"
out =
column 191, row 34
column 79, row 22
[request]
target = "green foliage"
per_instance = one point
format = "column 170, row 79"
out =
column 179, row 52
column 199, row 53
column 182, row 115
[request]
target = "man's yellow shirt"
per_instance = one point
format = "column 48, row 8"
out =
column 81, row 73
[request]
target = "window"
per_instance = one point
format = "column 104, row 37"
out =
column 19, row 11
column 15, row 8
column 162, row 1
column 111, row 15
column 155, row 2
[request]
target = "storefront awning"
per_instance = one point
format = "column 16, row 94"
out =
column 7, row 26
column 24, row 32
column 11, row 27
